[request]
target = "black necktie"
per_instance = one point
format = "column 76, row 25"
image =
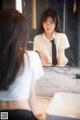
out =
column 54, row 59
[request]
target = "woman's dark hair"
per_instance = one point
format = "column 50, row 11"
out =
column 49, row 13
column 13, row 42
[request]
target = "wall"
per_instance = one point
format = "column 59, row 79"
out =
column 72, row 28
column 8, row 4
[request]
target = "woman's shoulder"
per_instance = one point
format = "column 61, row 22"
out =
column 61, row 34
column 33, row 57
column 35, row 64
column 62, row 40
column 38, row 36
column 31, row 54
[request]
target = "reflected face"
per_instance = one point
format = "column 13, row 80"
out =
column 49, row 25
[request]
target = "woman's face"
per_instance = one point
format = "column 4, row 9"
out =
column 49, row 25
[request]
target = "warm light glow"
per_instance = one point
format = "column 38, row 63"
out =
column 34, row 14
column 74, row 6
column 19, row 5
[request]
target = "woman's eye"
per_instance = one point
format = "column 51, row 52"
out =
column 52, row 22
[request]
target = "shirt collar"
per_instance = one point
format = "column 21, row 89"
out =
column 53, row 37
column 45, row 38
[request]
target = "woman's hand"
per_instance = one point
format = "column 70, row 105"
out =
column 61, row 58
column 40, row 117
column 45, row 58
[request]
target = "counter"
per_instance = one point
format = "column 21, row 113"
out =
column 59, row 79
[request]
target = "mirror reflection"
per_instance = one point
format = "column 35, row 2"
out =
column 68, row 24
column 49, row 42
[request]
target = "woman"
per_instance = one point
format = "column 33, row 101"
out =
column 49, row 31
column 19, row 68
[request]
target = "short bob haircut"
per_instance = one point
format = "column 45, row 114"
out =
column 49, row 13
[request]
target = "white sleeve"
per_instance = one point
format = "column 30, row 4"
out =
column 36, row 66
column 35, row 43
column 64, row 44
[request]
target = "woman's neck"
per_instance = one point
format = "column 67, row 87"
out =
column 48, row 35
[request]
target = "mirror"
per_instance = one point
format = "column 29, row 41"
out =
column 69, row 14
column 69, row 23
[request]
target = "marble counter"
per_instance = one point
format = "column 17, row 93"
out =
column 59, row 79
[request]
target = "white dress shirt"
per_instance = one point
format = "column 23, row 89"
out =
column 41, row 43
column 20, row 88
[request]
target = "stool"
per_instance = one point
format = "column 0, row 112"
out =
column 64, row 106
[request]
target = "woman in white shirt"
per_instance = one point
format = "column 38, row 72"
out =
column 19, row 68
column 48, row 32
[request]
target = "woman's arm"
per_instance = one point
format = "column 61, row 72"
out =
column 61, row 58
column 32, row 99
column 44, row 58
column 38, row 46
column 34, row 103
